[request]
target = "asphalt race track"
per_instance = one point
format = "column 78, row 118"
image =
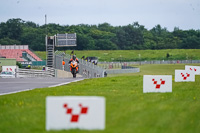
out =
column 14, row 85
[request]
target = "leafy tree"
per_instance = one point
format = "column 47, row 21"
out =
column 12, row 29
column 105, row 44
column 34, row 37
column 8, row 41
column 19, row 64
column 130, row 37
column 85, row 42
column 30, row 24
column 99, row 37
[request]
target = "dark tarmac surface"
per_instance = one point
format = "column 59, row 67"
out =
column 14, row 85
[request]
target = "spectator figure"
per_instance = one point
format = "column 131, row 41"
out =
column 167, row 55
column 72, row 53
column 63, row 64
column 94, row 63
column 28, row 67
column 105, row 74
column 83, row 57
column 43, row 68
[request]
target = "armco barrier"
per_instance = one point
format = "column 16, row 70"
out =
column 49, row 72
column 111, row 65
column 116, row 71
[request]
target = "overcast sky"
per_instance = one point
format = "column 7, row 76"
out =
column 184, row 14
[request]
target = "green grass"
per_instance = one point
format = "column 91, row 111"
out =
column 41, row 54
column 133, row 55
column 155, row 69
column 128, row 110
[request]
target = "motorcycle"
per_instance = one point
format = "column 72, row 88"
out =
column 74, row 68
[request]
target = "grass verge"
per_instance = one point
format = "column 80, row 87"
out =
column 128, row 110
column 135, row 55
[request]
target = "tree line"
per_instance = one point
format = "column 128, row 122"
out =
column 99, row 37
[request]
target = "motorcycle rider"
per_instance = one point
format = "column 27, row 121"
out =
column 73, row 59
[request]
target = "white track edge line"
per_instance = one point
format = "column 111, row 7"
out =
column 14, row 92
column 32, row 89
column 65, row 83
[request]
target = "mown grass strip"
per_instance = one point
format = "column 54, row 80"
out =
column 128, row 110
column 135, row 55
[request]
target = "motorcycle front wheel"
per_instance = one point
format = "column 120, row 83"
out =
column 74, row 73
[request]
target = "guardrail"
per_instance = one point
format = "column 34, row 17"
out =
column 114, row 65
column 48, row 72
column 128, row 70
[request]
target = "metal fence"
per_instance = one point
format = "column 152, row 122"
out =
column 39, row 63
column 86, row 69
column 117, row 65
column 49, row 72
column 126, row 70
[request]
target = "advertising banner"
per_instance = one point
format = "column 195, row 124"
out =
column 75, row 112
column 9, row 68
column 184, row 76
column 195, row 69
column 157, row 83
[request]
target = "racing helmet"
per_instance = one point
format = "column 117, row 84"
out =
column 74, row 57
